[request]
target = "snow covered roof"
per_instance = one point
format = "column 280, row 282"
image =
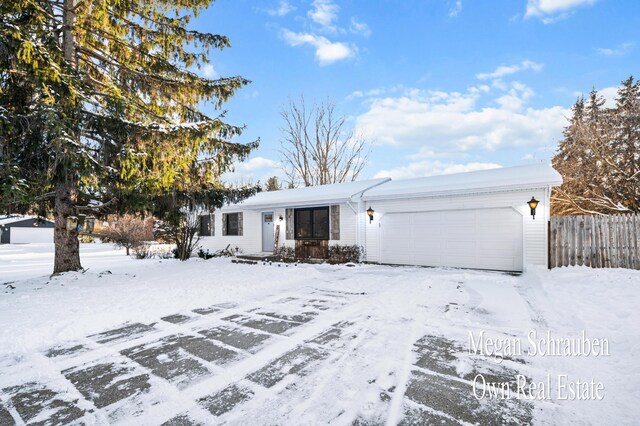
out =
column 506, row 178
column 5, row 220
column 310, row 195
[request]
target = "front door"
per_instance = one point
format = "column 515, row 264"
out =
column 267, row 231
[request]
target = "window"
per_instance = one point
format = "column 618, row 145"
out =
column 232, row 224
column 312, row 223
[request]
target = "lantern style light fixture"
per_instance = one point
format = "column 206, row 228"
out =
column 370, row 212
column 533, row 203
column 72, row 224
column 89, row 224
column 280, row 218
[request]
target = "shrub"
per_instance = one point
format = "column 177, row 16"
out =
column 345, row 253
column 129, row 232
column 285, row 252
column 206, row 255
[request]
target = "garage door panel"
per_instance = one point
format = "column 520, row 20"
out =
column 25, row 235
column 482, row 239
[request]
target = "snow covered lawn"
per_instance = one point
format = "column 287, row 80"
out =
column 211, row 342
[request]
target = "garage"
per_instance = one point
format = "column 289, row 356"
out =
column 31, row 235
column 25, row 230
column 478, row 220
column 479, row 239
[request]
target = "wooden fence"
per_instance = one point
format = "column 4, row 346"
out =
column 596, row 241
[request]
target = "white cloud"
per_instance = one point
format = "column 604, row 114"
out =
column 209, row 71
column 552, row 10
column 456, row 9
column 256, row 169
column 321, row 24
column 620, row 50
column 516, row 97
column 453, row 122
column 283, row 9
column 432, row 168
column 357, row 27
column 504, row 70
column 324, row 13
column 610, row 95
column 327, row 52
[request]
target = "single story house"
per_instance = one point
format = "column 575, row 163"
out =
column 25, row 229
column 479, row 220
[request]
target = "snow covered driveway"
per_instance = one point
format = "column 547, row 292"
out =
column 210, row 342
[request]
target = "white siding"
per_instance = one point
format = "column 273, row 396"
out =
column 535, row 231
column 251, row 240
column 23, row 235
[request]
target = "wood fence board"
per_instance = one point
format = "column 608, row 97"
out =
column 596, row 241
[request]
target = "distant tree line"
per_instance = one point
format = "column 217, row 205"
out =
column 599, row 156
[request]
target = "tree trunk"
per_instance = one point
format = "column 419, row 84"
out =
column 67, row 247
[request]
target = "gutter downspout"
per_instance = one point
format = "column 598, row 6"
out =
column 359, row 195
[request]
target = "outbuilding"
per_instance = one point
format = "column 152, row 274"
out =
column 25, row 229
column 478, row 220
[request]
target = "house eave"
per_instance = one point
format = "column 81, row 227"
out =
column 461, row 192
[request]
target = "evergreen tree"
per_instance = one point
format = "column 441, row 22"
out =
column 599, row 157
column 99, row 101
column 272, row 184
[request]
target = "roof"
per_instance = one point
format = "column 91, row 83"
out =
column 310, row 195
column 6, row 220
column 506, row 178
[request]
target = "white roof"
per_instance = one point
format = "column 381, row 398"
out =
column 310, row 195
column 506, row 178
column 4, row 220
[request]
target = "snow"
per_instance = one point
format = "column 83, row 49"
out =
column 382, row 311
column 4, row 220
column 311, row 195
column 504, row 178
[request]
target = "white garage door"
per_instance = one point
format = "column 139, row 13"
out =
column 479, row 239
column 31, row 235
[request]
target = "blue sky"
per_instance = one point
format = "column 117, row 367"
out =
column 436, row 86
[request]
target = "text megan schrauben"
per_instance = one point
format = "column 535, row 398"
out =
column 551, row 387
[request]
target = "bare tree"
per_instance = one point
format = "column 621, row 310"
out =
column 129, row 232
column 183, row 231
column 316, row 147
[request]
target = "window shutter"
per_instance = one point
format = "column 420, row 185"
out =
column 204, row 219
column 335, row 222
column 224, row 224
column 213, row 225
column 289, row 224
column 240, row 224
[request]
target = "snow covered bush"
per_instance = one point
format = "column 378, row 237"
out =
column 285, row 252
column 345, row 253
column 206, row 255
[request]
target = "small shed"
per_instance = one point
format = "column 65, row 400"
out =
column 25, row 229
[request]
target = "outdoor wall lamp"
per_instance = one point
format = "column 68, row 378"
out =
column 533, row 203
column 370, row 212
column 90, row 223
column 72, row 223
column 280, row 218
